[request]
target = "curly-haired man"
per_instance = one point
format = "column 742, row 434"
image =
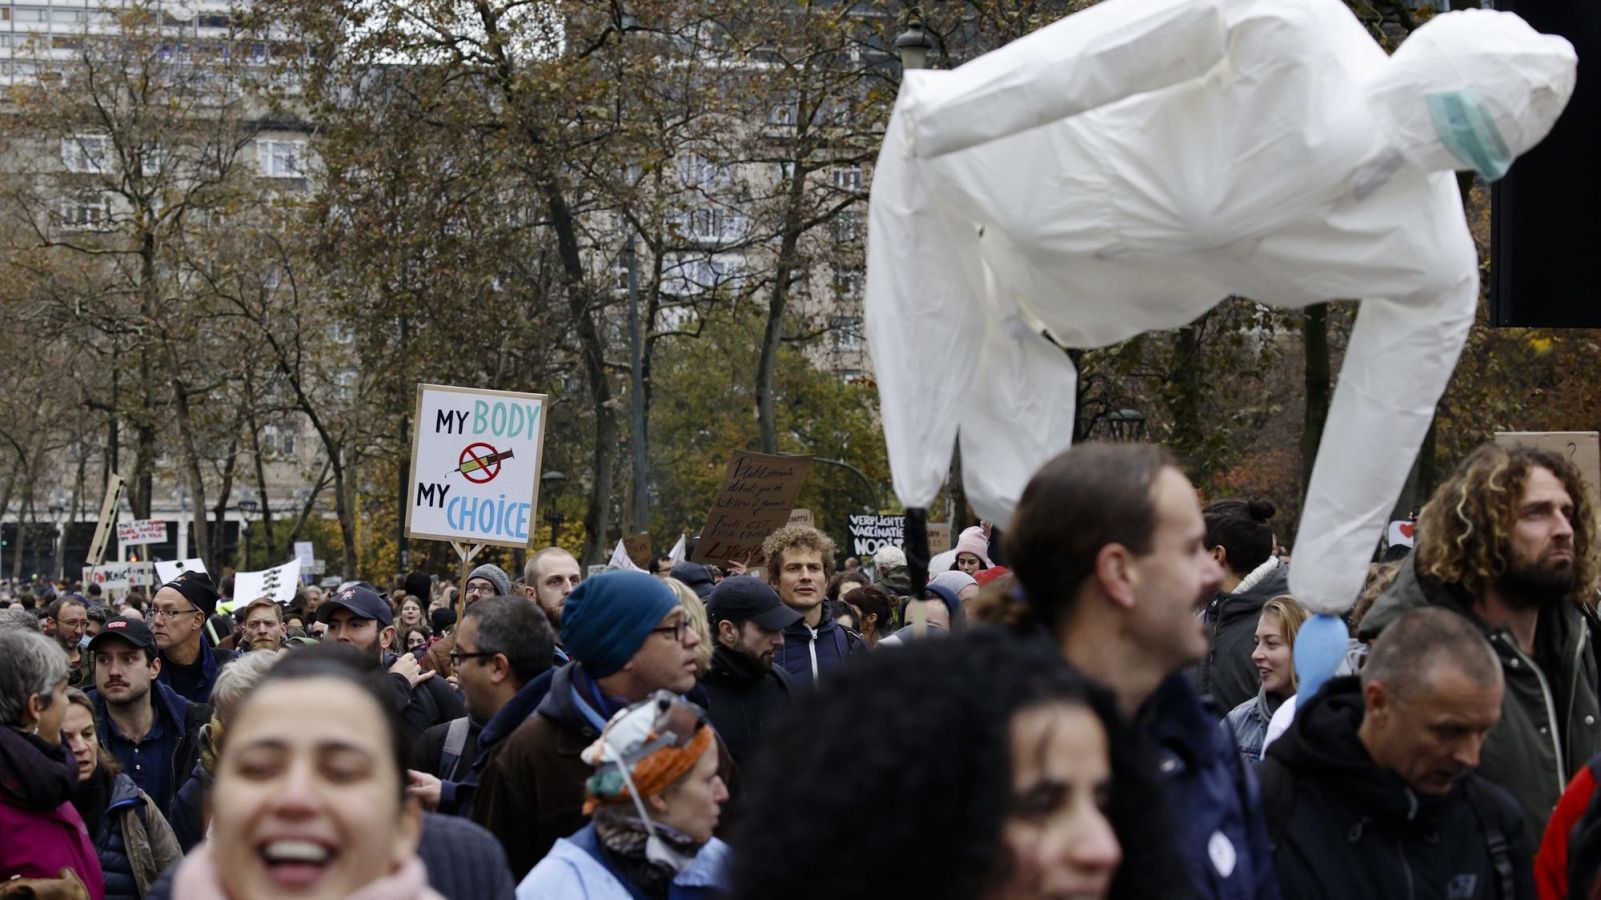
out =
column 1509, row 540
column 800, row 561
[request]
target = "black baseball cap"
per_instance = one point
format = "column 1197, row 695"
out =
column 695, row 576
column 360, row 598
column 747, row 599
column 120, row 628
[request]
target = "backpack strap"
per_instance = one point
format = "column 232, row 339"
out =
column 1483, row 806
column 455, row 743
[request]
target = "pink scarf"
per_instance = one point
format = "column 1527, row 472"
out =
column 197, row 879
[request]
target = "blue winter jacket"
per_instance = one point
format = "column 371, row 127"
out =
column 1213, row 800
column 574, row 867
column 111, row 840
column 808, row 654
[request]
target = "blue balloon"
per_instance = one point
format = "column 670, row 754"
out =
column 1320, row 646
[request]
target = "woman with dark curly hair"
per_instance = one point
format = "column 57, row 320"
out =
column 980, row 765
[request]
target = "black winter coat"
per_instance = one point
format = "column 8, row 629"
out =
column 431, row 703
column 1343, row 827
column 742, row 698
column 1227, row 675
column 112, row 835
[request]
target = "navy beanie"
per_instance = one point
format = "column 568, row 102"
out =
column 606, row 619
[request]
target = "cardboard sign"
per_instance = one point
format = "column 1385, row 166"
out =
column 1582, row 448
column 278, row 583
column 142, row 531
column 475, row 458
column 167, row 571
column 637, row 546
column 869, row 532
column 939, row 538
column 754, row 501
column 802, row 517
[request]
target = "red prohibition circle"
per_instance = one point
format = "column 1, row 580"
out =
column 484, row 473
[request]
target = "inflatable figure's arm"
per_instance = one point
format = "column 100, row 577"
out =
column 1090, row 59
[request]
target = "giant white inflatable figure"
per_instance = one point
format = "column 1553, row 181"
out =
column 1130, row 166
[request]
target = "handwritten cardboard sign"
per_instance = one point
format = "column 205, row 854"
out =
column 754, row 501
column 802, row 517
column 1582, row 448
column 637, row 546
column 142, row 531
column 939, row 537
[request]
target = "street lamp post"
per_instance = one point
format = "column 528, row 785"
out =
column 1125, row 425
column 550, row 485
column 913, row 44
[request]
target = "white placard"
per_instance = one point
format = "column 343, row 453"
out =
column 118, row 576
column 304, row 552
column 168, row 571
column 475, row 458
column 278, row 583
column 142, row 531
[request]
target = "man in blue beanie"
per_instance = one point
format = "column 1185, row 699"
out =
column 628, row 638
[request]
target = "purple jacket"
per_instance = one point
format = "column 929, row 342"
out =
column 40, row 831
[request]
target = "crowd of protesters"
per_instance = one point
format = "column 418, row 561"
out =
column 1103, row 701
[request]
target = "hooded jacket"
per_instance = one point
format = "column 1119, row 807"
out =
column 428, row 704
column 1227, row 674
column 134, row 843
column 743, row 697
column 809, row 653
column 1550, row 719
column 576, row 868
column 1343, row 827
column 40, row 832
column 181, row 717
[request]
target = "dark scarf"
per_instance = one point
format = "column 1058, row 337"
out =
column 91, row 797
column 33, row 774
column 622, row 838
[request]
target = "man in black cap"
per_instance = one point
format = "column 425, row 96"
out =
column 357, row 615
column 178, row 614
column 150, row 729
column 744, row 689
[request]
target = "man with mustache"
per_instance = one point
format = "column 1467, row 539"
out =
column 1509, row 541
column 150, row 728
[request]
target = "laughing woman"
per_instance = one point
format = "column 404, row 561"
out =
column 310, row 791
column 1275, row 665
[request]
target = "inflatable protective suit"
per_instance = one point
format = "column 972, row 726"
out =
column 1128, row 167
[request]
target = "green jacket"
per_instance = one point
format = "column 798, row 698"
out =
column 1525, row 753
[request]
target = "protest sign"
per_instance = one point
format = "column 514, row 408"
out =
column 1582, row 448
column 475, row 458
column 278, row 583
column 119, row 576
column 939, row 537
column 802, row 517
column 754, row 501
column 637, row 546
column 167, row 571
column 870, row 532
column 142, row 531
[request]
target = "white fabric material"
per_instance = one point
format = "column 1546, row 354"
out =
column 1128, row 167
column 678, row 554
column 621, row 560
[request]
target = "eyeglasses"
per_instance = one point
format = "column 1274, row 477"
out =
column 481, row 589
column 677, row 631
column 170, row 612
column 456, row 656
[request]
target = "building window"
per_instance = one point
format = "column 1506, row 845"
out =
column 88, row 211
column 278, row 441
column 847, row 284
column 282, row 159
column 847, row 332
column 848, row 178
column 86, row 153
column 847, row 226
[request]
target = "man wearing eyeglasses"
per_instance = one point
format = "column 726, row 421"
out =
column 628, row 638
column 178, row 614
column 501, row 657
column 356, row 615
